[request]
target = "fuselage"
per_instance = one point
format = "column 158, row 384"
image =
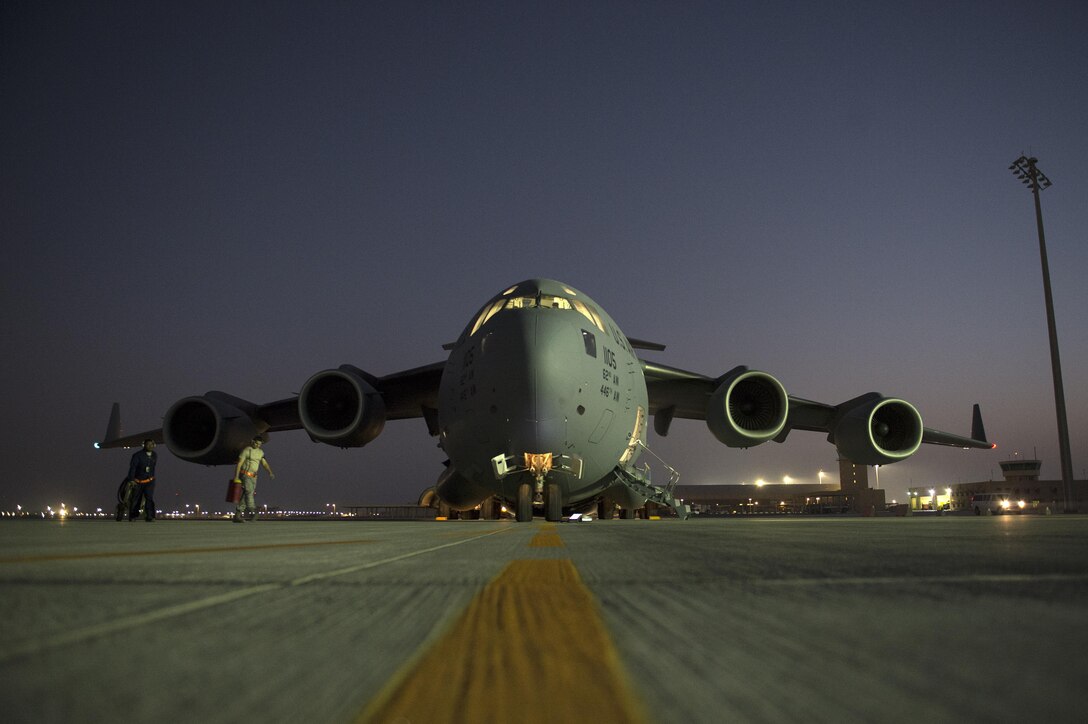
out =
column 541, row 370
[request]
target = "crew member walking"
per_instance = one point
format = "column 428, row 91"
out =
column 142, row 472
column 245, row 472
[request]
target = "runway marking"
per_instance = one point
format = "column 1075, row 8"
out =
column 176, row 551
column 530, row 647
column 128, row 622
column 546, row 539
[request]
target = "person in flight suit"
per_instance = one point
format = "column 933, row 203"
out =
column 141, row 471
column 249, row 462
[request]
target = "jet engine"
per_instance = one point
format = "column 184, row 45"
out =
column 211, row 429
column 459, row 492
column 877, row 431
column 340, row 407
column 748, row 408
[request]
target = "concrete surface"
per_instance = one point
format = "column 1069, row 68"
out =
column 776, row 619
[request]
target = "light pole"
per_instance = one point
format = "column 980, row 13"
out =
column 1025, row 169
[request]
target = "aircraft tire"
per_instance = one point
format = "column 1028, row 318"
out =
column 627, row 513
column 605, row 509
column 553, row 503
column 525, row 503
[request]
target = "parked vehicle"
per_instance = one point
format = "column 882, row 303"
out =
column 996, row 504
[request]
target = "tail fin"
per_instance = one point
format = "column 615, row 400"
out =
column 978, row 431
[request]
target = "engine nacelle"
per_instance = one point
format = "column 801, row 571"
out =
column 748, row 408
column 879, row 431
column 209, row 430
column 459, row 492
column 339, row 407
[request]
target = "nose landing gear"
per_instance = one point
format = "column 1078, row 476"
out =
column 539, row 491
column 552, row 499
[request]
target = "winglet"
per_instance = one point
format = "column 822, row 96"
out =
column 113, row 427
column 978, row 430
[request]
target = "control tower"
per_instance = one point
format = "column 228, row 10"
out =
column 1020, row 470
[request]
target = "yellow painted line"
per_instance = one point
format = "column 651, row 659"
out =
column 176, row 551
column 530, row 647
column 546, row 540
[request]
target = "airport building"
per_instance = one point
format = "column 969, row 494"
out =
column 1019, row 482
column 851, row 494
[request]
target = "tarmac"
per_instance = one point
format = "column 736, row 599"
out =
column 796, row 618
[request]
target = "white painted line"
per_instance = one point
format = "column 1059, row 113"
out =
column 125, row 624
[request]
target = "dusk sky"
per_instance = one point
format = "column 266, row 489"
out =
column 233, row 196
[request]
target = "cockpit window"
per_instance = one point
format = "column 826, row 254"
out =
column 487, row 313
column 550, row 302
column 543, row 301
column 589, row 313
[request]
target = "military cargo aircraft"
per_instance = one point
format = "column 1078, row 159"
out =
column 544, row 402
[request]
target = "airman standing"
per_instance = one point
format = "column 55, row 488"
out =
column 245, row 472
column 141, row 470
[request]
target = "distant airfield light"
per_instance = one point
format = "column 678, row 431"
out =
column 787, row 479
column 760, row 483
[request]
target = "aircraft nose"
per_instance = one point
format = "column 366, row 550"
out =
column 511, row 389
column 540, row 383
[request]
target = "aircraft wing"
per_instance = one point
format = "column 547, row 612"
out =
column 679, row 393
column 407, row 394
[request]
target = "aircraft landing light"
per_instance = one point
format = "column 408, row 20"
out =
column 538, row 463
